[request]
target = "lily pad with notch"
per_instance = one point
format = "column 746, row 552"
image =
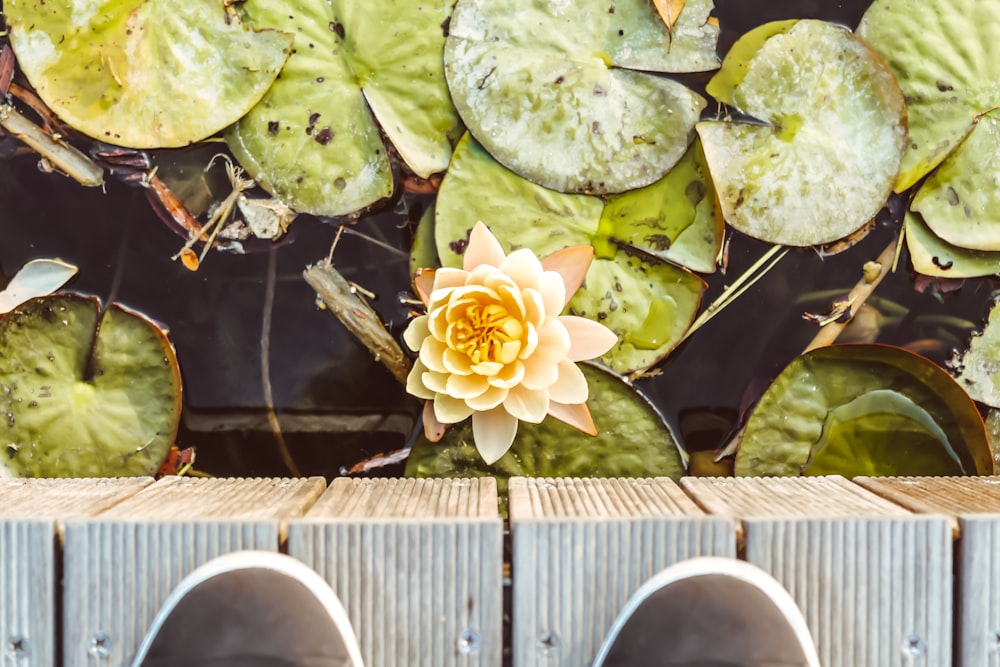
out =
column 314, row 139
column 818, row 150
column 82, row 395
column 631, row 288
column 144, row 74
column 633, row 441
column 933, row 256
column 863, row 409
column 570, row 96
column 946, row 56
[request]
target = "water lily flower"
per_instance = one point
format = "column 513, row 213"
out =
column 493, row 344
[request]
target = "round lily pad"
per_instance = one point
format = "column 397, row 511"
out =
column 633, row 441
column 76, row 405
column 960, row 201
column 933, row 256
column 648, row 302
column 565, row 95
column 864, row 410
column 945, row 55
column 144, row 74
column 820, row 154
column 314, row 141
column 979, row 365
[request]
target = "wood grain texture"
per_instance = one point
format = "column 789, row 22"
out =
column 872, row 579
column 973, row 505
column 32, row 512
column 418, row 564
column 122, row 564
column 581, row 547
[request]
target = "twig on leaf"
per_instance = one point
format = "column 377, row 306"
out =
column 60, row 154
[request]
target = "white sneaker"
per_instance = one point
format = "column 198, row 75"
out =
column 709, row 612
column 251, row 608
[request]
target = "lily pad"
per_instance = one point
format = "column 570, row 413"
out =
column 633, row 441
column 933, row 256
column 946, row 56
column 648, row 302
column 960, row 201
column 864, row 410
column 565, row 94
column 80, row 406
column 144, row 74
column 979, row 365
column 821, row 151
column 313, row 141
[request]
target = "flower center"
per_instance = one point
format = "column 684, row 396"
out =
column 486, row 332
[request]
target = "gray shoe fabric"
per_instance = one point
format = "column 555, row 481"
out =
column 706, row 620
column 254, row 616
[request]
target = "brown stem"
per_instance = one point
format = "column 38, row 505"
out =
column 359, row 318
column 67, row 159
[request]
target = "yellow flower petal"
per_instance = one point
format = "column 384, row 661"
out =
column 588, row 339
column 448, row 410
column 487, row 368
column 414, row 381
column 553, row 293
column 553, row 340
column 571, row 385
column 530, row 341
column 487, row 400
column 432, row 353
column 534, row 307
column 511, row 375
column 493, row 431
column 572, row 264
column 456, row 362
column 416, row 332
column 466, row 386
column 539, row 372
column 523, row 268
column 483, row 248
column 530, row 405
column 436, row 382
column 446, row 278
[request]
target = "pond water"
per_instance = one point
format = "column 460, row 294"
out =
column 335, row 404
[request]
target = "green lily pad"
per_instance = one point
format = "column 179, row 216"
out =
column 633, row 441
column 76, row 406
column 979, row 365
column 822, row 155
column 960, row 200
column 648, row 302
column 933, row 256
column 565, row 94
column 143, row 74
column 945, row 56
column 313, row 141
column 864, row 410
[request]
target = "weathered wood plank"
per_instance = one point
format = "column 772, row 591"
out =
column 581, row 547
column 418, row 564
column 122, row 564
column 973, row 505
column 872, row 579
column 31, row 515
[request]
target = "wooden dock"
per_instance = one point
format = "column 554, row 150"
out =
column 887, row 571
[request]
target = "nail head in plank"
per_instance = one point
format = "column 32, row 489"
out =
column 581, row 547
column 973, row 504
column 418, row 564
column 871, row 578
column 31, row 517
column 121, row 565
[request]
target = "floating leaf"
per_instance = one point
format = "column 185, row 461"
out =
column 312, row 141
column 633, row 441
column 931, row 256
column 647, row 302
column 945, row 56
column 39, row 277
column 80, row 406
column 823, row 152
column 979, row 365
column 864, row 410
column 960, row 201
column 564, row 95
column 144, row 74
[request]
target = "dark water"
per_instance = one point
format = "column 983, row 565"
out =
column 336, row 405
